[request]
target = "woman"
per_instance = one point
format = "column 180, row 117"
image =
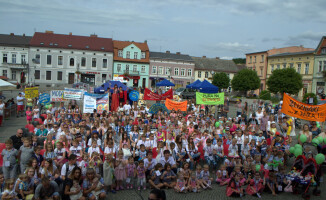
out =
column 115, row 99
column 73, row 185
column 305, row 131
column 259, row 114
column 314, row 129
column 122, row 96
column 93, row 187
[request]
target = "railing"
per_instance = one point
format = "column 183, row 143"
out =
column 131, row 72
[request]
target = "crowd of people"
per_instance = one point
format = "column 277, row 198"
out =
column 79, row 155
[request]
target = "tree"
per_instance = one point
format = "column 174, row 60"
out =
column 239, row 61
column 285, row 80
column 265, row 95
column 245, row 80
column 309, row 95
column 221, row 80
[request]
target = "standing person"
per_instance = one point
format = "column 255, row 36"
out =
column 225, row 109
column 115, row 99
column 239, row 107
column 2, row 108
column 122, row 96
column 264, row 123
column 20, row 105
column 17, row 139
column 10, row 165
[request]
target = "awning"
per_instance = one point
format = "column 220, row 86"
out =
column 135, row 77
column 124, row 77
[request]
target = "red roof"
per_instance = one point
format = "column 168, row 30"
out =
column 92, row 43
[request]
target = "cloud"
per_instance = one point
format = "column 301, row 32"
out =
column 231, row 46
column 306, row 38
column 275, row 39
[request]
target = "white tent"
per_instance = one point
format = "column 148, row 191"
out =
column 4, row 85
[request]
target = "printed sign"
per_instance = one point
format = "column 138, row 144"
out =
column 31, row 93
column 44, row 98
column 89, row 104
column 149, row 95
column 57, row 96
column 76, row 94
column 210, row 98
column 134, row 95
column 158, row 107
column 102, row 104
column 174, row 105
column 304, row 111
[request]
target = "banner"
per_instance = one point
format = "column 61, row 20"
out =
column 210, row 98
column 149, row 95
column 174, row 105
column 44, row 99
column 102, row 104
column 31, row 93
column 304, row 111
column 57, row 96
column 158, row 107
column 134, row 95
column 76, row 94
column 89, row 104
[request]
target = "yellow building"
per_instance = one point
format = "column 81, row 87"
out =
column 302, row 62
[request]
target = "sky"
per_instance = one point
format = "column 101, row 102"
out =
column 214, row 28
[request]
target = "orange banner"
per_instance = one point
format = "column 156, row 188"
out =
column 174, row 105
column 304, row 111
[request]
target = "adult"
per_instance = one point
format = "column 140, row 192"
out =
column 264, row 123
column 20, row 104
column 70, row 189
column 68, row 166
column 2, row 108
column 93, row 186
column 305, row 131
column 122, row 96
column 42, row 132
column 239, row 107
column 225, row 109
column 115, row 99
column 157, row 194
column 50, row 120
column 47, row 190
column 259, row 114
column 17, row 139
column 314, row 129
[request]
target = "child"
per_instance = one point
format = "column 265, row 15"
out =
column 185, row 172
column 142, row 152
column 271, row 183
column 181, row 184
column 77, row 150
column 209, row 156
column 256, row 186
column 34, row 140
column 108, row 172
column 49, row 153
column 245, row 149
column 24, row 189
column 9, row 155
column 37, row 155
column 168, row 176
column 9, row 192
column 207, row 180
column 233, row 148
column 84, row 164
column 199, row 177
column 155, row 180
column 120, row 171
column 141, row 175
column 234, row 188
column 160, row 149
column 93, row 148
column 60, row 154
column 281, row 179
column 222, row 176
column 29, row 115
column 193, row 185
column 25, row 153
column 95, row 162
column 131, row 173
column 109, row 150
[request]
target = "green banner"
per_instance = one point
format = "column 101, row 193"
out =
column 209, row 98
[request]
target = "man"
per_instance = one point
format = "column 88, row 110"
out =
column 20, row 105
column 49, row 120
column 47, row 190
column 69, row 166
column 17, row 139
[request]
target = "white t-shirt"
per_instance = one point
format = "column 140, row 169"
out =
column 59, row 153
column 2, row 107
column 127, row 108
column 91, row 150
column 75, row 150
column 20, row 103
column 108, row 150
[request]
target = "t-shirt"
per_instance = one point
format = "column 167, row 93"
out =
column 20, row 103
column 26, row 154
column 2, row 107
column 59, row 153
column 75, row 150
column 9, row 155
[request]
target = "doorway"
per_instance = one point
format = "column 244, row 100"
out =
column 71, row 78
column 144, row 82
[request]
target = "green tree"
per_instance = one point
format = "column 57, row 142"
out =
column 239, row 60
column 285, row 80
column 265, row 95
column 221, row 80
column 245, row 80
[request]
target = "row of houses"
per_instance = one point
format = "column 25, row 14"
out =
column 309, row 62
column 57, row 60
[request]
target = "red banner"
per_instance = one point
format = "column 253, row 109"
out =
column 149, row 95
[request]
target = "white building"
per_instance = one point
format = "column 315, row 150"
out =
column 14, row 57
column 57, row 60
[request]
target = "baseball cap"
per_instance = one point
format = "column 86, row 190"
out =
column 277, row 133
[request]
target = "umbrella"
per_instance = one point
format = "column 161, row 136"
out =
column 164, row 83
column 4, row 85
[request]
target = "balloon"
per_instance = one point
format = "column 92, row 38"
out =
column 320, row 139
column 303, row 138
column 298, row 146
column 320, row 158
column 46, row 106
column 297, row 152
column 291, row 149
column 217, row 124
column 318, row 124
column 315, row 141
column 257, row 168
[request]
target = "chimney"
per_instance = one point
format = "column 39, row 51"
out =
column 93, row 35
column 70, row 33
column 178, row 53
column 204, row 56
column 217, row 58
column 167, row 51
column 12, row 34
column 145, row 41
column 23, row 34
column 48, row 31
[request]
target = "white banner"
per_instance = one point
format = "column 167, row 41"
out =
column 57, row 95
column 89, row 104
column 75, row 94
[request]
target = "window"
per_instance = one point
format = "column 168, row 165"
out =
column 48, row 59
column 134, row 68
column 128, row 54
column 143, row 55
column 183, row 72
column 127, row 68
column 255, row 59
column 261, row 71
column 143, row 69
column 325, row 65
column 306, row 71
column 4, row 58
column 320, row 66
column 176, row 71
column 120, row 53
column 23, row 59
column 93, row 62
column 250, row 59
column 37, row 58
column 59, row 76
column 4, row 73
column 167, row 71
column 83, row 61
column 135, row 55
column 13, row 75
column 154, row 70
column 190, row 72
column 291, row 65
column 105, row 63
column 119, row 67
column 299, row 68
column 278, row 67
column 48, row 75
column 13, row 58
column 37, row 74
column 160, row 70
column 262, row 58
column 199, row 74
column 323, row 50
column 72, row 62
column 272, row 68
column 206, row 74
column 103, row 78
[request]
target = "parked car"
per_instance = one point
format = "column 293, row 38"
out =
column 179, row 90
column 188, row 93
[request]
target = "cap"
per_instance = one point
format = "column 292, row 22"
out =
column 95, row 131
column 277, row 133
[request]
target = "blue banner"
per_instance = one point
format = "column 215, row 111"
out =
column 97, row 96
column 134, row 95
column 158, row 107
column 44, row 99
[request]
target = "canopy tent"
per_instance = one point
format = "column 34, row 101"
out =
column 110, row 85
column 4, row 85
column 164, row 82
column 194, row 85
column 207, row 87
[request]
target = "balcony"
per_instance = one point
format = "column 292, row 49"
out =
column 15, row 65
column 131, row 72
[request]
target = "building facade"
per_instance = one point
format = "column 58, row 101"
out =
column 57, row 59
column 131, row 61
column 302, row 62
column 318, row 83
column 177, row 68
column 14, row 57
